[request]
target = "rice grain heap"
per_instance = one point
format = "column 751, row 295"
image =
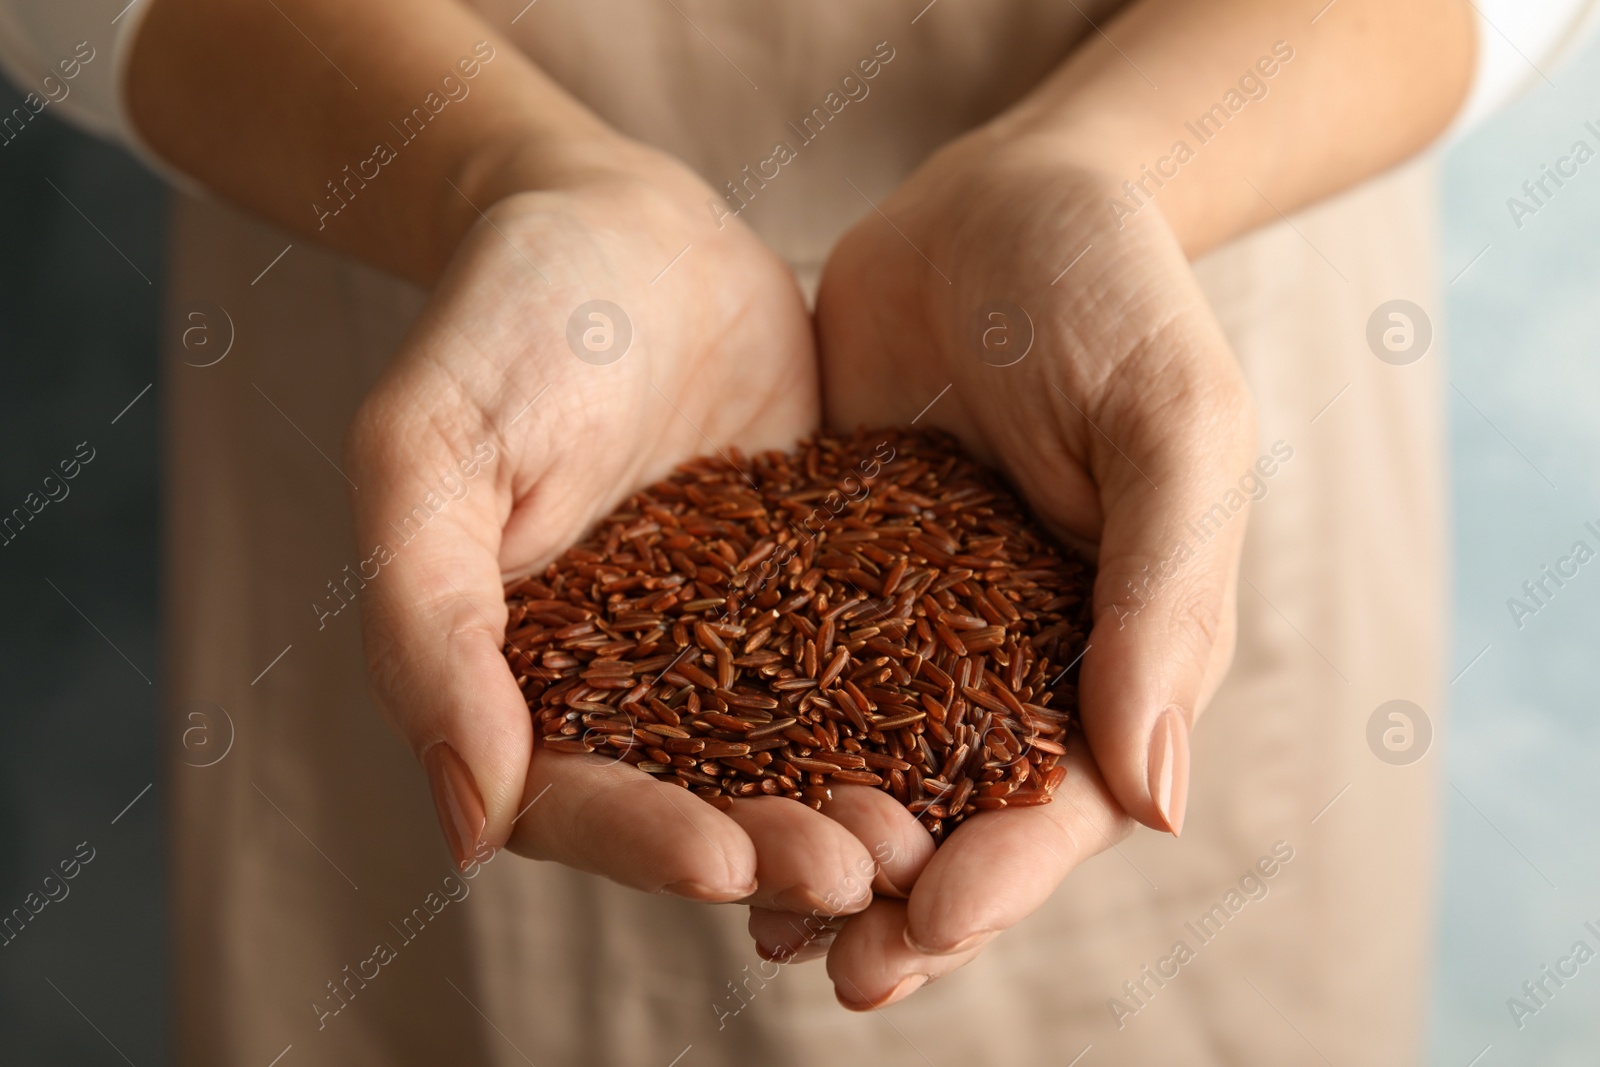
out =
column 758, row 626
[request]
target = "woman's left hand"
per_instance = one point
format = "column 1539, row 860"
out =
column 996, row 296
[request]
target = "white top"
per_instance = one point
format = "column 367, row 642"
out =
column 1520, row 43
column 43, row 45
column 70, row 56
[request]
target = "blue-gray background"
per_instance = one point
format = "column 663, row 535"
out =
column 78, row 728
column 85, row 982
column 1521, row 873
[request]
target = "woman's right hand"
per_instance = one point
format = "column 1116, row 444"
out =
column 721, row 353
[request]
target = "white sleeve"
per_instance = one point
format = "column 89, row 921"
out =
column 70, row 57
column 1520, row 44
column 41, row 41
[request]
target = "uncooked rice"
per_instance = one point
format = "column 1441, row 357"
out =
column 876, row 610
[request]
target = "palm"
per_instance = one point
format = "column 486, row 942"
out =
column 1087, row 421
column 896, row 328
column 721, row 354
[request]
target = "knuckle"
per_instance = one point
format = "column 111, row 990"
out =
column 1120, row 828
column 398, row 669
column 369, row 430
column 1203, row 626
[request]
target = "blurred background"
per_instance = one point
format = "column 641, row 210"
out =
column 81, row 248
column 1520, row 871
column 82, row 235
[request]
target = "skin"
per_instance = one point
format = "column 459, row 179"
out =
column 1127, row 417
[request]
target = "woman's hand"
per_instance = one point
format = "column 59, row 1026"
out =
column 999, row 298
column 1124, row 421
column 503, row 364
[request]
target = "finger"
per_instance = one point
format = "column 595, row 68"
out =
column 433, row 611
column 871, row 964
column 1164, row 598
column 612, row 819
column 899, row 844
column 787, row 937
column 1000, row 866
column 805, row 861
column 430, row 495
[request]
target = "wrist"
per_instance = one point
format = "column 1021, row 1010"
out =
column 522, row 160
column 1134, row 168
column 1091, row 173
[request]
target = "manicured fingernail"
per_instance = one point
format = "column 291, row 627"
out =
column 810, row 949
column 851, row 997
column 799, row 900
column 894, row 890
column 903, row 989
column 693, row 890
column 814, row 949
column 966, row 944
column 456, row 799
column 1169, row 767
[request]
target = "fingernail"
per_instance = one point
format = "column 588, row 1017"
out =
column 806, row 951
column 799, row 900
column 982, row 937
column 456, row 799
column 1169, row 767
column 693, row 890
column 894, row 890
column 812, row 950
column 903, row 988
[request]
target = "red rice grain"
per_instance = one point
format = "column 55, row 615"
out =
column 877, row 611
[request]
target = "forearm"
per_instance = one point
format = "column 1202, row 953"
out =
column 1371, row 82
column 354, row 123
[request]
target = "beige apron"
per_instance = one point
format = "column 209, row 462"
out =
column 312, row 841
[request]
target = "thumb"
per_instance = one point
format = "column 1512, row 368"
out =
column 1165, row 593
column 433, row 622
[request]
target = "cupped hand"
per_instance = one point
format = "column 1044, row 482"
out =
column 516, row 414
column 997, row 296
